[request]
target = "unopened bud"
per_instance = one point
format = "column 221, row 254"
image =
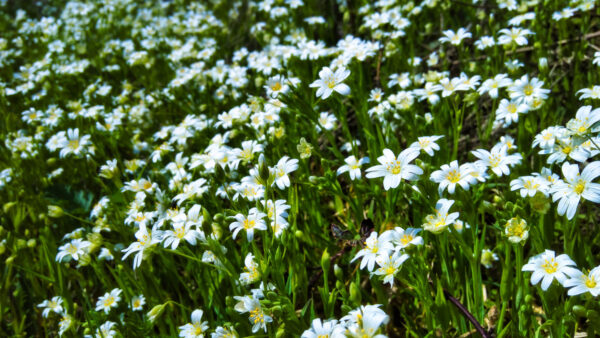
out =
column 55, row 211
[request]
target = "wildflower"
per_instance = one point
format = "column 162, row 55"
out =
column 327, row 328
column 352, row 166
column 64, row 324
column 277, row 214
column 514, row 34
column 584, row 121
column 498, row 160
column 145, row 240
column 257, row 317
column 439, row 221
column 575, row 187
column 402, row 239
column 109, row 300
column 546, row 267
column 393, row 169
column 581, row 283
column 181, row 230
column 222, row 332
column 389, row 266
column 527, row 90
column 54, row 305
column 516, row 230
column 196, row 328
column 451, row 175
column 488, row 257
column 105, row 331
column 281, row 171
column 589, row 93
column 304, row 148
column 365, row 321
column 138, row 302
column 427, row 144
column 73, row 144
column 485, row 42
column 374, row 247
column 327, row 121
column 73, row 250
column 276, row 85
column 528, row 185
column 330, row 81
column 252, row 274
column 455, row 38
column 253, row 221
column 509, row 111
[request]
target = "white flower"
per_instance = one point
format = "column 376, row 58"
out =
column 352, row 166
column 402, row 239
column 516, row 34
column 327, row 121
column 104, row 331
column 374, row 247
column 546, row 267
column 72, row 250
column 257, row 317
column 488, row 257
column 393, row 169
column 438, row 222
column 455, row 38
column 196, row 328
column 145, row 240
column 528, row 185
column 451, row 175
column 575, row 187
column 138, row 302
column 281, row 171
column 254, row 221
column 491, row 86
column 55, row 305
column 581, row 283
column 330, row 81
column 253, row 274
column 498, row 160
column 584, row 121
column 509, row 111
column 389, row 266
column 328, row 328
column 109, row 300
column 427, row 144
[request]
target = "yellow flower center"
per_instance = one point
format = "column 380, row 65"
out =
column 257, row 316
column 579, row 187
column 528, row 90
column 453, row 176
column 74, row 144
column 109, row 301
column 249, row 224
column 276, row 87
column 590, row 282
column 550, row 266
column 406, row 239
column 394, row 167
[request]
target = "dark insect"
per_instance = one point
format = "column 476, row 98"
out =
column 345, row 238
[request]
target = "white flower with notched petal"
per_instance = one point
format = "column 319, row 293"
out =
column 254, row 221
column 109, row 300
column 257, row 317
column 427, row 144
column 439, row 221
column 581, row 283
column 498, row 159
column 451, row 175
column 327, row 328
column 281, row 171
column 576, row 186
column 393, row 169
column 352, row 166
column 546, row 267
column 330, row 81
column 389, row 266
column 374, row 246
column 196, row 328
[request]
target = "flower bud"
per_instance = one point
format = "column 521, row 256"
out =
column 325, row 261
column 156, row 312
column 55, row 211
